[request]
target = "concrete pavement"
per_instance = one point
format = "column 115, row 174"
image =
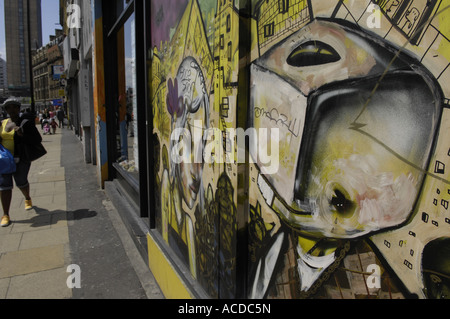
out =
column 72, row 222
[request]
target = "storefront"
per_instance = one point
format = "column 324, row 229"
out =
column 272, row 149
column 119, row 67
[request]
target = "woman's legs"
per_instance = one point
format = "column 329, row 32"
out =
column 6, row 201
column 21, row 178
column 26, row 192
column 6, row 197
column 6, row 185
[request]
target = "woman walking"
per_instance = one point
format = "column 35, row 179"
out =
column 15, row 131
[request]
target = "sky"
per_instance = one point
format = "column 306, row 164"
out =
column 50, row 22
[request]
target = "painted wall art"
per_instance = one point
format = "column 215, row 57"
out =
column 303, row 146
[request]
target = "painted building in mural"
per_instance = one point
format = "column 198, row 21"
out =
column 302, row 147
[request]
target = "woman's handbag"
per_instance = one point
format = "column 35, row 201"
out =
column 7, row 163
column 31, row 149
column 31, row 152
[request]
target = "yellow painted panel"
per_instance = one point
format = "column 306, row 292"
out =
column 170, row 283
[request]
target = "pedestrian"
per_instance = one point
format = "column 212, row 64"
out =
column 60, row 116
column 47, row 128
column 14, row 133
column 53, row 126
column 43, row 120
column 46, row 113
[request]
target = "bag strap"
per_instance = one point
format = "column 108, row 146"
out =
column 23, row 122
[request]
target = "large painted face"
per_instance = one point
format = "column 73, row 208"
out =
column 351, row 161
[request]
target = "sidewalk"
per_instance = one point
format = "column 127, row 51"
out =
column 72, row 222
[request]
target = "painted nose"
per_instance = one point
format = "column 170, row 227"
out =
column 342, row 204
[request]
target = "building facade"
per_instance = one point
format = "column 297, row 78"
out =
column 56, row 70
column 48, row 74
column 278, row 149
column 40, row 75
column 3, row 79
column 76, row 17
column 17, row 48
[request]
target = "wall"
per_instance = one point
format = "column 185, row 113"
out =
column 99, row 93
column 342, row 190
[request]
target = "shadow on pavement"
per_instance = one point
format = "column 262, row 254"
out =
column 44, row 217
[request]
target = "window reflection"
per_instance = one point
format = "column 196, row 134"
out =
column 120, row 6
column 126, row 113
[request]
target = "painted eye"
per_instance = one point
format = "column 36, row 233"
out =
column 313, row 53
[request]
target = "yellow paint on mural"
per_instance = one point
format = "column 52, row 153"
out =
column 444, row 28
column 444, row 22
column 170, row 283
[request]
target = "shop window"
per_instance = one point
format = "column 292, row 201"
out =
column 126, row 113
column 121, row 5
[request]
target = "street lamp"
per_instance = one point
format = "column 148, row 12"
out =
column 30, row 64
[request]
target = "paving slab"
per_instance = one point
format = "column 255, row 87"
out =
column 32, row 260
column 44, row 237
column 4, row 285
column 30, row 286
column 10, row 242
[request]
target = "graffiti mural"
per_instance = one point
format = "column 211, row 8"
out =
column 358, row 95
column 364, row 118
column 197, row 216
